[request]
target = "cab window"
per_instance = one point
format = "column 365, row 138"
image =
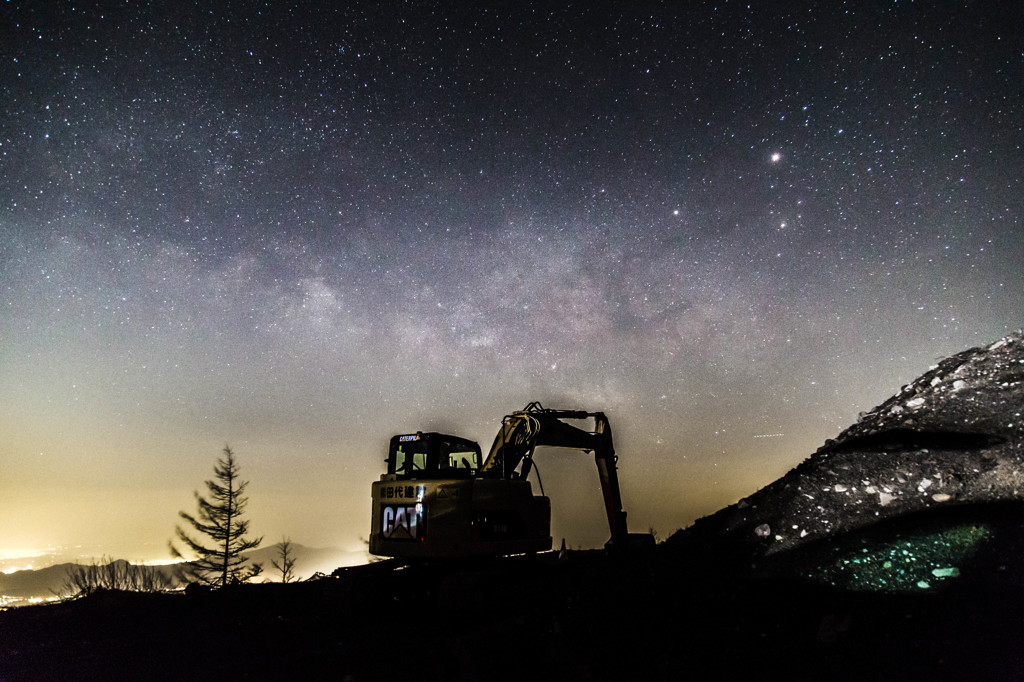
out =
column 461, row 458
column 406, row 462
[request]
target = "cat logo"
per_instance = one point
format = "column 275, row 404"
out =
column 403, row 522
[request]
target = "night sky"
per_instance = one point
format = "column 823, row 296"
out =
column 300, row 228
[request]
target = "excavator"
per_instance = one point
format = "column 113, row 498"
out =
column 438, row 500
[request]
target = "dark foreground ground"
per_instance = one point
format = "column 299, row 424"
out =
column 687, row 609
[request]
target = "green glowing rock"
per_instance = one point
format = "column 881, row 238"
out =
column 889, row 566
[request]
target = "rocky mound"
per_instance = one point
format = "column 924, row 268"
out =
column 953, row 437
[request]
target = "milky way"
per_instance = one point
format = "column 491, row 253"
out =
column 299, row 230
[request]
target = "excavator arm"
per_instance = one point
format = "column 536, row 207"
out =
column 511, row 455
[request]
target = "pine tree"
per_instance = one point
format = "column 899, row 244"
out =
column 221, row 520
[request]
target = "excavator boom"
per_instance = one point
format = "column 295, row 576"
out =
column 534, row 426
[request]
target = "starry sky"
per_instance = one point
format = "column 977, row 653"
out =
column 300, row 228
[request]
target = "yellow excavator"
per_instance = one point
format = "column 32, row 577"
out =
column 439, row 500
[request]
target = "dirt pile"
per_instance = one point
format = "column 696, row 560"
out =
column 955, row 436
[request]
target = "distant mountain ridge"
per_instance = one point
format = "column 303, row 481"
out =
column 47, row 582
column 51, row 581
column 308, row 560
column 38, row 582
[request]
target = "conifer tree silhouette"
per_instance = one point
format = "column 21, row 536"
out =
column 286, row 553
column 220, row 519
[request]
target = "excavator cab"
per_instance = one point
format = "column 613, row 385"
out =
column 432, row 455
column 438, row 500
